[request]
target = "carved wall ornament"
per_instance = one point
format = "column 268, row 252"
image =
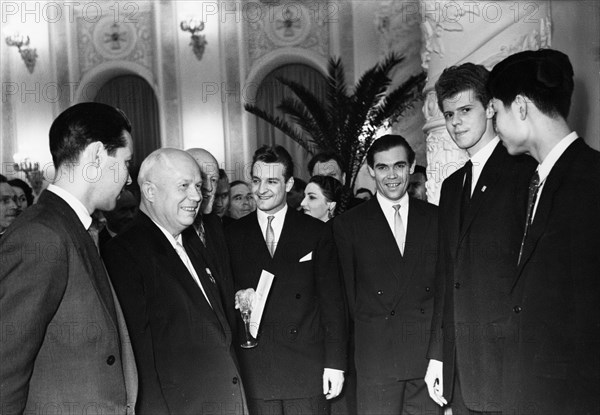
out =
column 398, row 22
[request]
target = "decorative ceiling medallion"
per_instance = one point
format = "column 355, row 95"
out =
column 114, row 40
column 288, row 24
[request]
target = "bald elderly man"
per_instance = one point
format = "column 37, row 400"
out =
column 172, row 304
column 209, row 168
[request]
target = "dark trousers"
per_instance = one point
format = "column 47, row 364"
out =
column 316, row 405
column 458, row 405
column 391, row 396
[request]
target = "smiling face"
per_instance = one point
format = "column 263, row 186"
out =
column 269, row 186
column 391, row 171
column 176, row 193
column 468, row 121
column 315, row 203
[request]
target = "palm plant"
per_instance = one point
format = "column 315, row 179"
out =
column 345, row 123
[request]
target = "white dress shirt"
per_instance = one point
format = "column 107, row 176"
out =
column 480, row 158
column 184, row 257
column 546, row 166
column 276, row 223
column 387, row 206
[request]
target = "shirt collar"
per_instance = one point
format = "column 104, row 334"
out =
column 172, row 240
column 75, row 204
column 481, row 157
column 554, row 154
column 387, row 204
column 280, row 214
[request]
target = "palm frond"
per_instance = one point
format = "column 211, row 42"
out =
column 299, row 114
column 282, row 125
column 398, row 100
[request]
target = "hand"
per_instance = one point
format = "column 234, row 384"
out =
column 333, row 382
column 435, row 381
column 245, row 300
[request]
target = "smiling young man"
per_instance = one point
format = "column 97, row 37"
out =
column 386, row 248
column 553, row 364
column 479, row 234
column 300, row 359
column 171, row 301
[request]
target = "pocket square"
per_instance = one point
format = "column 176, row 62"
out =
column 306, row 257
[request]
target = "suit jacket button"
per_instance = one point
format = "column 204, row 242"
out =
column 293, row 331
column 379, row 292
column 298, row 296
column 110, row 360
column 234, row 380
column 393, row 312
column 427, row 289
column 517, row 309
column 422, row 311
column 457, row 285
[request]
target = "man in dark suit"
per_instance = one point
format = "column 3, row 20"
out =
column 479, row 233
column 301, row 353
column 386, row 248
column 178, row 328
column 552, row 364
column 65, row 346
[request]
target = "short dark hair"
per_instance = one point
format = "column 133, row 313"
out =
column 275, row 154
column 544, row 76
column 462, row 78
column 25, row 187
column 237, row 182
column 82, row 124
column 223, row 175
column 331, row 187
column 387, row 142
column 323, row 157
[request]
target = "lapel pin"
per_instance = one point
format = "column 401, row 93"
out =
column 210, row 276
column 483, row 188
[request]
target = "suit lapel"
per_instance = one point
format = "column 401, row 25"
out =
column 378, row 228
column 546, row 202
column 87, row 250
column 484, row 186
column 417, row 227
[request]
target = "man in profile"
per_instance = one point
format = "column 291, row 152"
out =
column 552, row 364
column 65, row 344
column 300, row 359
column 172, row 305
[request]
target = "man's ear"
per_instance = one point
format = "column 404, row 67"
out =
column 343, row 178
column 521, row 103
column 149, row 191
column 94, row 153
column 412, row 167
column 371, row 171
column 289, row 184
column 489, row 110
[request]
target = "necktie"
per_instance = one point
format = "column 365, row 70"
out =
column 534, row 186
column 399, row 232
column 199, row 227
column 465, row 199
column 270, row 237
column 190, row 267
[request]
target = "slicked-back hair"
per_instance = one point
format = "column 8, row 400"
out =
column 82, row 124
column 465, row 78
column 544, row 76
column 387, row 142
column 275, row 154
column 25, row 188
column 323, row 157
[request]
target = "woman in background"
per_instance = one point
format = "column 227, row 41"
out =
column 24, row 194
column 322, row 196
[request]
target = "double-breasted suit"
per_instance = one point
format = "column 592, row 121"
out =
column 65, row 347
column 182, row 345
column 303, row 327
column 475, row 266
column 552, row 363
column 390, row 296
